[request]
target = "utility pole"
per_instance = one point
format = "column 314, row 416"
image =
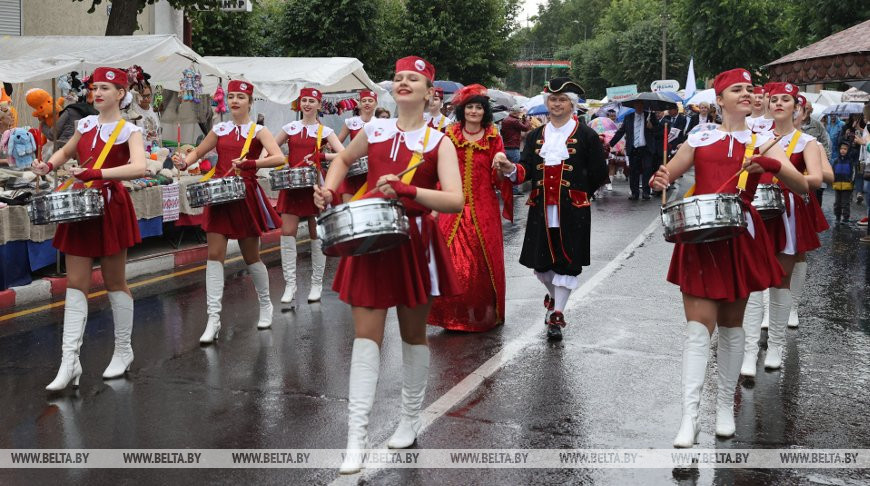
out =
column 665, row 40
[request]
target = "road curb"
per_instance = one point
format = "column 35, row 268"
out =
column 45, row 289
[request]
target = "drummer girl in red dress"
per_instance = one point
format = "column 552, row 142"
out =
column 408, row 276
column 716, row 278
column 302, row 138
column 244, row 220
column 106, row 237
column 434, row 118
column 793, row 234
column 368, row 103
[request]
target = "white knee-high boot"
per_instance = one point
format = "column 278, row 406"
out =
column 780, row 305
column 365, row 364
column 752, row 330
column 696, row 352
column 288, row 267
column 260, row 276
column 798, row 279
column 415, row 375
column 214, row 293
column 122, row 312
column 765, row 321
column 729, row 355
column 318, row 263
column 75, row 315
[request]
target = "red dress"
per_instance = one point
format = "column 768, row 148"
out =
column 475, row 240
column 249, row 217
column 799, row 218
column 421, row 268
column 301, row 140
column 441, row 123
column 117, row 228
column 352, row 184
column 725, row 270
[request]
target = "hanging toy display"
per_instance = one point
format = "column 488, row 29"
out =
column 219, row 100
column 190, row 85
column 157, row 98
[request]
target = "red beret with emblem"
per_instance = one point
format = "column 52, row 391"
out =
column 757, row 90
column 416, row 64
column 731, row 77
column 311, row 93
column 783, row 88
column 802, row 100
column 118, row 77
column 368, row 94
column 239, row 86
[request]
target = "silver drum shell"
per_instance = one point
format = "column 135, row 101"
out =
column 362, row 227
column 704, row 218
column 216, row 191
column 66, row 207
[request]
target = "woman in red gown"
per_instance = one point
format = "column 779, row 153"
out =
column 474, row 236
column 368, row 103
column 408, row 276
column 793, row 234
column 106, row 237
column 716, row 278
column 306, row 139
column 244, row 220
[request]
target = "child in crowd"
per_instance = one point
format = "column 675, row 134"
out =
column 843, row 171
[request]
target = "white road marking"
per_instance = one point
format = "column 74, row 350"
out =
column 533, row 334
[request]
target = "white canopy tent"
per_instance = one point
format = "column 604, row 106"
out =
column 32, row 62
column 278, row 80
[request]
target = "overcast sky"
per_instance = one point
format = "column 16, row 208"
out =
column 530, row 7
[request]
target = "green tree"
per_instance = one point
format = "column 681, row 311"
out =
column 122, row 18
column 811, row 21
column 326, row 28
column 217, row 33
column 724, row 34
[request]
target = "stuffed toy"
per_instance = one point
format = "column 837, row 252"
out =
column 8, row 117
column 22, row 148
column 64, row 84
column 219, row 100
column 190, row 85
column 157, row 98
column 41, row 102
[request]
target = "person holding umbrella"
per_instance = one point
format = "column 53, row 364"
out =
column 644, row 147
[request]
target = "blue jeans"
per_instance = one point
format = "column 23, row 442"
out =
column 513, row 154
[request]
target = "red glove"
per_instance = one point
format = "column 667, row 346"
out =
column 769, row 164
column 89, row 175
column 403, row 190
column 248, row 164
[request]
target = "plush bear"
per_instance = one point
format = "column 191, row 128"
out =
column 219, row 100
column 22, row 148
column 41, row 102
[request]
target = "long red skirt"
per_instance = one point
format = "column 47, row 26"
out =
column 246, row 218
column 400, row 275
column 727, row 270
column 819, row 220
column 114, row 231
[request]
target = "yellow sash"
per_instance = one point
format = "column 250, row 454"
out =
column 408, row 175
column 790, row 149
column 103, row 153
column 317, row 144
column 245, row 149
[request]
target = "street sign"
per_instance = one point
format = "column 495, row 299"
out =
column 619, row 93
column 232, row 6
column 550, row 63
column 665, row 85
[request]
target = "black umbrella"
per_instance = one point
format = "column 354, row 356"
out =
column 652, row 101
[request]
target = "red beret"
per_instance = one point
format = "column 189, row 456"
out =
column 416, row 64
column 731, row 77
column 368, row 94
column 784, row 88
column 767, row 87
column 757, row 90
column 802, row 100
column 239, row 86
column 466, row 93
column 311, row 93
column 118, row 77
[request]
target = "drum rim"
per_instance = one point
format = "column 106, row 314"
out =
column 701, row 197
column 362, row 203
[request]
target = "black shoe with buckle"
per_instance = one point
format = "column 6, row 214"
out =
column 555, row 325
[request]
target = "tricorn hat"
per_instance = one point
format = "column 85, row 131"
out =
column 564, row 84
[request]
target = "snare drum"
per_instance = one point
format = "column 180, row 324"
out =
column 360, row 167
column 216, row 191
column 704, row 218
column 769, row 201
column 295, row 178
column 66, row 207
column 364, row 226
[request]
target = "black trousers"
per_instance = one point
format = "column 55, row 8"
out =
column 642, row 165
column 842, row 204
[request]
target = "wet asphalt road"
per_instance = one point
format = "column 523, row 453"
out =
column 612, row 383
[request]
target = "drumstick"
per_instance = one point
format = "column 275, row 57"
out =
column 665, row 163
column 761, row 152
column 399, row 175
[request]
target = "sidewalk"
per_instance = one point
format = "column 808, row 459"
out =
column 152, row 256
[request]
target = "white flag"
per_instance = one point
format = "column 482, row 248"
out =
column 690, row 80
